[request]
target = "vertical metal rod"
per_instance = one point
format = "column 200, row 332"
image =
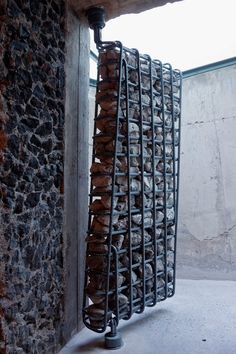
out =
column 174, row 148
column 142, row 183
column 115, row 256
column 165, row 182
column 173, row 144
column 178, row 175
column 129, row 192
column 153, row 183
column 113, row 181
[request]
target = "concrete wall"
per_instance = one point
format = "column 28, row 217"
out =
column 207, row 209
column 92, row 93
column 76, row 167
column 207, row 216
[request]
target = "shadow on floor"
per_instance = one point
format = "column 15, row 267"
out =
column 141, row 319
column 87, row 347
column 136, row 321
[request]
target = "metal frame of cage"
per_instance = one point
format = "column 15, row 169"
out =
column 111, row 309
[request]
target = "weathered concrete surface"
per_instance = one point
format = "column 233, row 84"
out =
column 76, row 167
column 116, row 8
column 92, row 93
column 207, row 218
column 199, row 319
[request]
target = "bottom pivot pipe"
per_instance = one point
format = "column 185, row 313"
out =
column 113, row 339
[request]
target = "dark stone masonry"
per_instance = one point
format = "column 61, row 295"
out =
column 31, row 187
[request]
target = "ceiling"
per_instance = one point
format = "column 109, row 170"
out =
column 116, row 8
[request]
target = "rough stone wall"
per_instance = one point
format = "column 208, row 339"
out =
column 207, row 213
column 31, row 185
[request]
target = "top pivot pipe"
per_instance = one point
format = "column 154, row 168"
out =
column 96, row 19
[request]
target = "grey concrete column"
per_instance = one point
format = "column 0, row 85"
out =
column 76, row 167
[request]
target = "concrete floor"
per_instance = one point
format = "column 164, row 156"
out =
column 200, row 318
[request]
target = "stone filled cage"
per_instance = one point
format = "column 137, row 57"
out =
column 133, row 208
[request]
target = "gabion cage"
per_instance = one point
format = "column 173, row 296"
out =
column 133, row 211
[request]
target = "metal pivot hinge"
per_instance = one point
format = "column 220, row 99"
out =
column 113, row 339
column 96, row 19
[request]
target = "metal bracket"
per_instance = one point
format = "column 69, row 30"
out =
column 96, row 18
column 113, row 339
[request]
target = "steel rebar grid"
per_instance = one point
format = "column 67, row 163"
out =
column 130, row 291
